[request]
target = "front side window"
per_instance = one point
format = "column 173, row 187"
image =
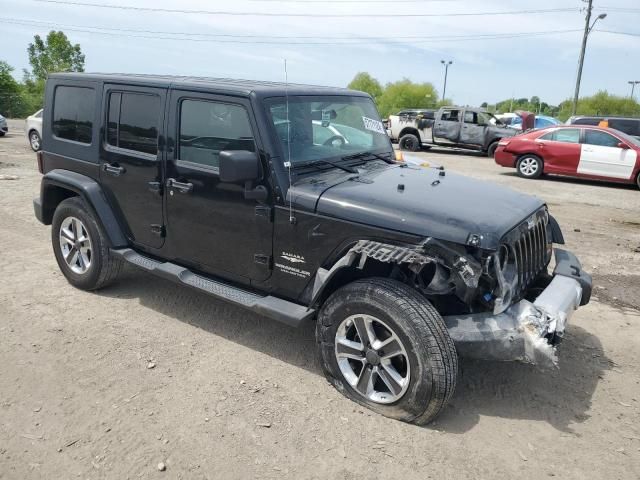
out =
column 325, row 127
column 566, row 135
column 603, row 139
column 73, row 112
column 207, row 128
column 132, row 121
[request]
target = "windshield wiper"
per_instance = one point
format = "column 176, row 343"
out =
column 367, row 154
column 317, row 163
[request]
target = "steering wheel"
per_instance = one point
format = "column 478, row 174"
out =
column 335, row 141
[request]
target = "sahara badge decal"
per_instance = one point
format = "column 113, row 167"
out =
column 293, row 258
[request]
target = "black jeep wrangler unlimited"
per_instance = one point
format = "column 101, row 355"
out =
column 287, row 200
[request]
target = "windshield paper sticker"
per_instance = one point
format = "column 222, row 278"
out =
column 373, row 125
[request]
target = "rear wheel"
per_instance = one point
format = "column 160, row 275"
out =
column 638, row 180
column 81, row 248
column 384, row 346
column 529, row 166
column 409, row 142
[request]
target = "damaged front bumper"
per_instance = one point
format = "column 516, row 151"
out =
column 526, row 331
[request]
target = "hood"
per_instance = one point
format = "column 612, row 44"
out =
column 418, row 201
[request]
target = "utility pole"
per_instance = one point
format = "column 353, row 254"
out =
column 633, row 84
column 587, row 31
column 446, row 70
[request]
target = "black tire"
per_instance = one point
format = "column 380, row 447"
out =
column 491, row 151
column 525, row 164
column 638, row 180
column 432, row 358
column 33, row 138
column 2, row 134
column 103, row 267
column 409, row 142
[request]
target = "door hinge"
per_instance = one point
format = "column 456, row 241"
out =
column 157, row 229
column 261, row 259
column 264, row 211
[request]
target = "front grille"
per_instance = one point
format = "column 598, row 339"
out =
column 528, row 246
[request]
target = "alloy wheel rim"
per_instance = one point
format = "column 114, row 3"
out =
column 35, row 141
column 75, row 245
column 529, row 166
column 372, row 359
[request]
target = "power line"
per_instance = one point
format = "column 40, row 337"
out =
column 347, row 40
column 323, row 15
column 630, row 34
column 274, row 40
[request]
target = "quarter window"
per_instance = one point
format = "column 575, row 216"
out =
column 132, row 121
column 470, row 117
column 207, row 128
column 566, row 135
column 594, row 137
column 73, row 112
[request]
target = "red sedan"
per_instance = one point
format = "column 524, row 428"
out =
column 585, row 151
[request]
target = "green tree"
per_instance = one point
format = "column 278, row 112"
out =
column 406, row 94
column 366, row 83
column 54, row 54
column 10, row 98
column 601, row 104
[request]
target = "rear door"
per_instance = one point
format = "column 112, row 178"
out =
column 602, row 156
column 560, row 150
column 446, row 129
column 211, row 226
column 131, row 162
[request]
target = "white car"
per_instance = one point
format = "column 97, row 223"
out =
column 33, row 129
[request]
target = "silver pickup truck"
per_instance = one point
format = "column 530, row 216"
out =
column 460, row 127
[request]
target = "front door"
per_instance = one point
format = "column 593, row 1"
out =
column 446, row 129
column 560, row 150
column 210, row 225
column 602, row 156
column 473, row 126
column 131, row 163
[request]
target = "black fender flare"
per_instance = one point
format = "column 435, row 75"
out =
column 87, row 188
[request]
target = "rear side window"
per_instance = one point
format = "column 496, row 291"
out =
column 451, row 116
column 566, row 135
column 207, row 128
column 595, row 137
column 630, row 127
column 132, row 121
column 73, row 113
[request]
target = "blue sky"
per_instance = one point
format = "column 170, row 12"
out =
column 483, row 69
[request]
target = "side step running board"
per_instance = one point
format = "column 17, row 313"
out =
column 275, row 308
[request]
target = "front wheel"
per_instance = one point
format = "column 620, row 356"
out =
column 384, row 346
column 638, row 180
column 34, row 140
column 529, row 166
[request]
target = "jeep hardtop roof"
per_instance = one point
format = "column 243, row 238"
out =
column 223, row 85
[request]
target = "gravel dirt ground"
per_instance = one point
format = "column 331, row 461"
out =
column 110, row 384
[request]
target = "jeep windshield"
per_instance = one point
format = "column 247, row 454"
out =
column 313, row 129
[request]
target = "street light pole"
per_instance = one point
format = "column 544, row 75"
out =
column 446, row 70
column 633, row 84
column 587, row 31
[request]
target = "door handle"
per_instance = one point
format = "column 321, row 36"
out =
column 541, row 145
column 114, row 170
column 182, row 187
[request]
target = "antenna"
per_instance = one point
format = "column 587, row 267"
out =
column 287, row 164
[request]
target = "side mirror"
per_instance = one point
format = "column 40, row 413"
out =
column 238, row 166
column 624, row 146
